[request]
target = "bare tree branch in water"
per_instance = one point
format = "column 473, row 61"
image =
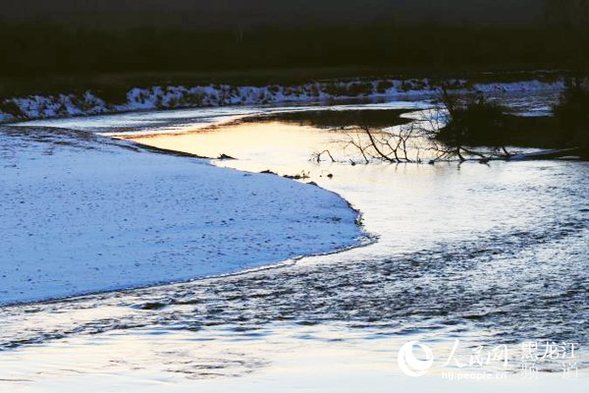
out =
column 444, row 133
column 355, row 141
column 393, row 146
column 317, row 157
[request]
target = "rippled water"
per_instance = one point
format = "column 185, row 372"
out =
column 490, row 255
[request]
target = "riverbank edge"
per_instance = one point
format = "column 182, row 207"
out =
column 364, row 238
column 168, row 97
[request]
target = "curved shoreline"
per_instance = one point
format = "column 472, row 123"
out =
column 367, row 239
column 312, row 248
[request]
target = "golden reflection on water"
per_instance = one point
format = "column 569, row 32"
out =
column 274, row 141
column 396, row 200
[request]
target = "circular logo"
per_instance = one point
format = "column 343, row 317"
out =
column 412, row 366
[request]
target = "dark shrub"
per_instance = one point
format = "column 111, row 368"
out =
column 473, row 122
column 572, row 114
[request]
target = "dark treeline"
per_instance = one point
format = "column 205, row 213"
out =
column 44, row 48
column 225, row 13
column 96, row 36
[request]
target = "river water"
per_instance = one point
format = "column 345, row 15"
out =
column 469, row 257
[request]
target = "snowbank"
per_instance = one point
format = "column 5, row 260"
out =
column 520, row 87
column 80, row 213
column 43, row 107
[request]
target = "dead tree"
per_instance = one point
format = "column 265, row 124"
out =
column 392, row 146
column 441, row 134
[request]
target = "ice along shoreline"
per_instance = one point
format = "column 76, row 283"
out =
column 174, row 217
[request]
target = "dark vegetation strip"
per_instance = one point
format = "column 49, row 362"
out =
column 44, row 58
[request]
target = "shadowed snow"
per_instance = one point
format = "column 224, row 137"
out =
column 81, row 213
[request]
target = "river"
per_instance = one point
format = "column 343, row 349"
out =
column 467, row 256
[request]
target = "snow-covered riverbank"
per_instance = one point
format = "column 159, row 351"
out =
column 81, row 213
column 171, row 97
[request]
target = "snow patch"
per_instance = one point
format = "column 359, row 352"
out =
column 173, row 97
column 82, row 213
column 520, row 87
